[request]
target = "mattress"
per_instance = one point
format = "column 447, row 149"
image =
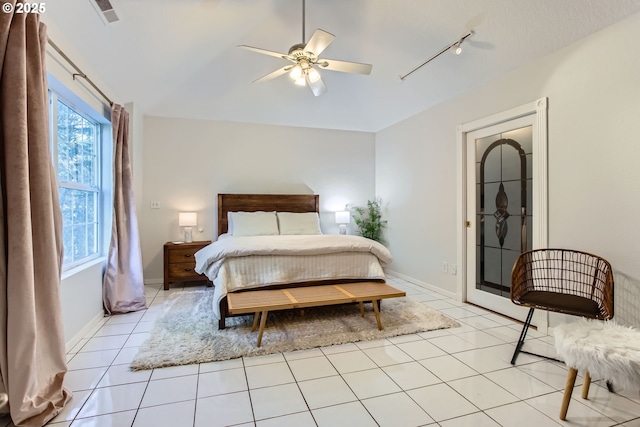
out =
column 248, row 262
column 254, row 271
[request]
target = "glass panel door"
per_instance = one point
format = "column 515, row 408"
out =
column 499, row 211
column 503, row 198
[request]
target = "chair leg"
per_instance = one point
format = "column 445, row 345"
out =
column 568, row 389
column 523, row 335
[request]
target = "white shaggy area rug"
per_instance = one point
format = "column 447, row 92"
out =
column 186, row 331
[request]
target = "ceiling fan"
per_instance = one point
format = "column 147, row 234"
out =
column 306, row 61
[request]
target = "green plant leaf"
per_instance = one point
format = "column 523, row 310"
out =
column 369, row 220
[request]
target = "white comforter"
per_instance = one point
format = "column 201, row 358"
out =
column 211, row 257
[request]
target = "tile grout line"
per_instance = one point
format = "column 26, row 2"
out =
column 326, row 356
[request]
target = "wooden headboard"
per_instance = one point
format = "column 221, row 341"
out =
column 264, row 202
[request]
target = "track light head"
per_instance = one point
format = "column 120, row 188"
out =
column 456, row 48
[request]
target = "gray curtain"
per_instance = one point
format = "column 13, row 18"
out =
column 123, row 287
column 32, row 351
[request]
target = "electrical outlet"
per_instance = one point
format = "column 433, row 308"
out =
column 454, row 269
column 445, row 266
column 155, row 204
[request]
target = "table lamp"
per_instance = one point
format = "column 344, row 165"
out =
column 187, row 220
column 343, row 218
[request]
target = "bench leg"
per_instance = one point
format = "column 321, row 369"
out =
column 377, row 311
column 263, row 321
column 568, row 389
column 361, row 309
column 256, row 317
column 586, row 384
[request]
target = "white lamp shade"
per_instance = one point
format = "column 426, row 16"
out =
column 343, row 217
column 296, row 72
column 187, row 219
column 314, row 75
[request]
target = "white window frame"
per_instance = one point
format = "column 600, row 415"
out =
column 104, row 144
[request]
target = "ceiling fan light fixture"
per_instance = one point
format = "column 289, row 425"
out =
column 296, row 73
column 314, row 75
column 304, row 56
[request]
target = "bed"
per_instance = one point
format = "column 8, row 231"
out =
column 242, row 260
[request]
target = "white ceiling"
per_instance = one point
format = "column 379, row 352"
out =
column 178, row 58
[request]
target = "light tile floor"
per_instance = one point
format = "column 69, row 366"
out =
column 455, row 377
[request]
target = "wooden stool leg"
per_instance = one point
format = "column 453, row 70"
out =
column 361, row 309
column 586, row 384
column 263, row 322
column 571, row 380
column 377, row 311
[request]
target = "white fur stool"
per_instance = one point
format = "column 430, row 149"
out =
column 603, row 350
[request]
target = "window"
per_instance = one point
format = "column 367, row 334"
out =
column 77, row 134
column 79, row 184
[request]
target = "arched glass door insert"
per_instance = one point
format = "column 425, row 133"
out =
column 503, row 197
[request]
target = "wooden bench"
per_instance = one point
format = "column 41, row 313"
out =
column 263, row 301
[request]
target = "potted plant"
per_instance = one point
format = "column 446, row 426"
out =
column 369, row 220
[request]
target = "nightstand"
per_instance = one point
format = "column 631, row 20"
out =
column 179, row 262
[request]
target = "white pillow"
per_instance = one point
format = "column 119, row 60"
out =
column 230, row 222
column 253, row 223
column 299, row 223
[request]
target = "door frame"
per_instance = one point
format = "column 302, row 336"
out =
column 540, row 188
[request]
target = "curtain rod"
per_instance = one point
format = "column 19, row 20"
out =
column 79, row 72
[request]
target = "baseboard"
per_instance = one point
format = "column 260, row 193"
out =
column 433, row 288
column 154, row 281
column 83, row 332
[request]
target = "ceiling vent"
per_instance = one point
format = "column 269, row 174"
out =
column 105, row 10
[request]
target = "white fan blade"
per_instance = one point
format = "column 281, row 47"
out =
column 317, row 87
column 319, row 42
column 345, row 66
column 267, row 52
column 274, row 74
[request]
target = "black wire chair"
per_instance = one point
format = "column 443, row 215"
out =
column 564, row 281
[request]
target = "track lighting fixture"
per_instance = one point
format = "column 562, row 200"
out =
column 455, row 47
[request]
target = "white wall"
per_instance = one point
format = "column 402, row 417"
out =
column 63, row 71
column 594, row 179
column 81, row 300
column 188, row 162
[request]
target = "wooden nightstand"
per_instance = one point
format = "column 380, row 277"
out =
column 179, row 262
